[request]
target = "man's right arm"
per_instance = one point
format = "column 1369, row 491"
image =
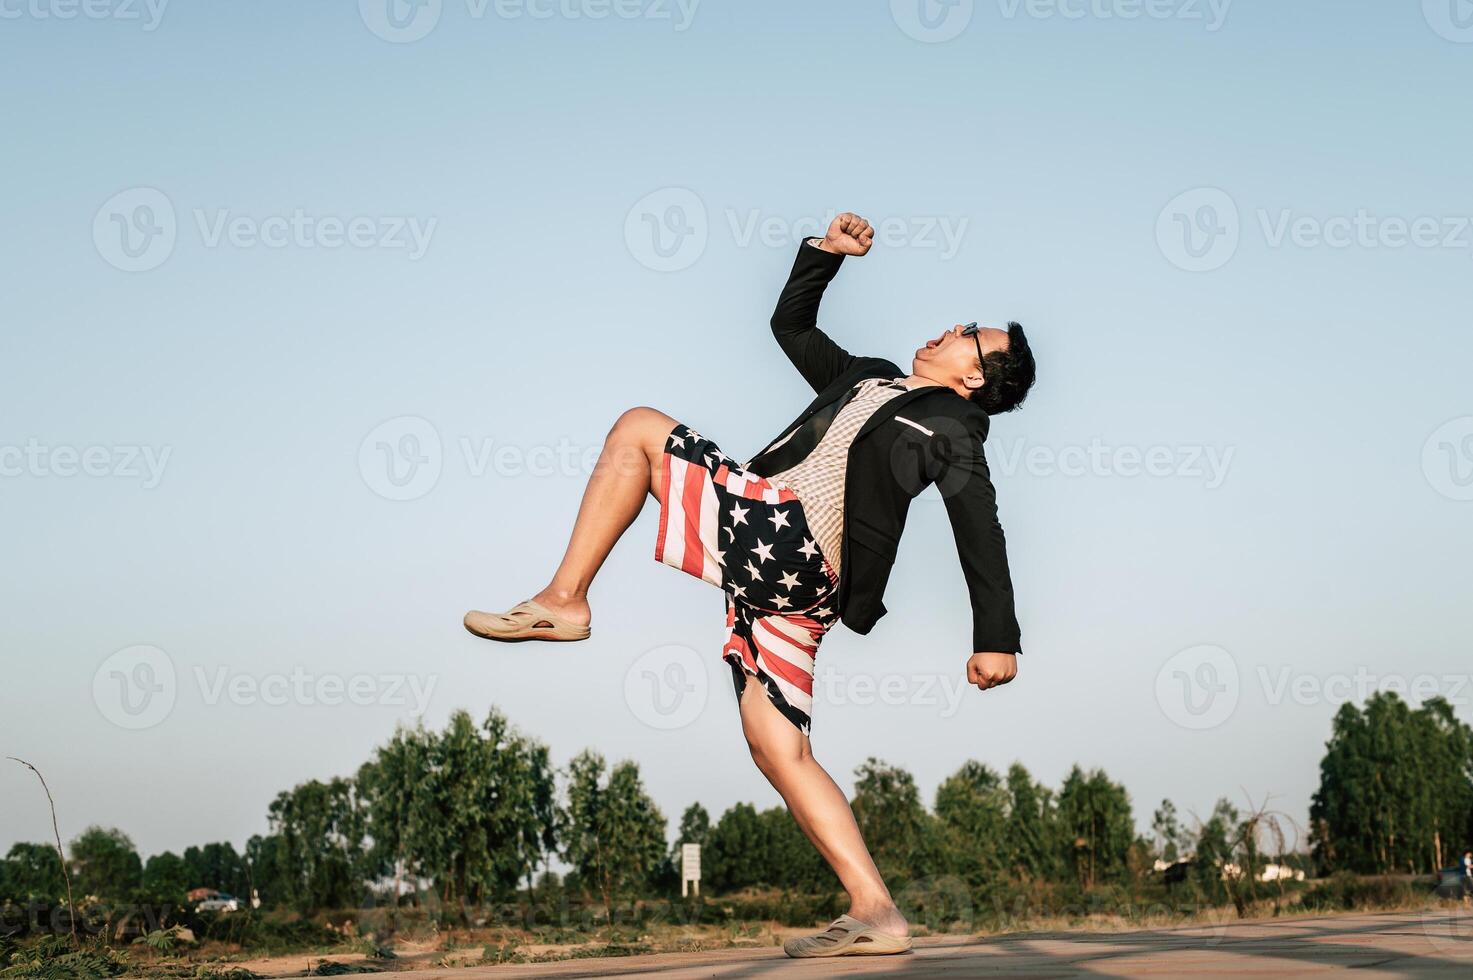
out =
column 795, row 321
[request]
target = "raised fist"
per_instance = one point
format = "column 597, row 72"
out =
column 849, row 234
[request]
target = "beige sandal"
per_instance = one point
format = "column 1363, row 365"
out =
column 847, row 936
column 524, row 621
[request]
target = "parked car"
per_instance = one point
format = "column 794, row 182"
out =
column 219, row 902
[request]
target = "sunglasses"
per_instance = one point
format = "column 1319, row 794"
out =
column 974, row 331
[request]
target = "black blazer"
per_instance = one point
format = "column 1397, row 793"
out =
column 924, row 436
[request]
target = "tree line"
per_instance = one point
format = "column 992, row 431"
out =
column 1396, row 788
column 477, row 813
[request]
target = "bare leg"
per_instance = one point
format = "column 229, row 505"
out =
column 785, row 757
column 628, row 468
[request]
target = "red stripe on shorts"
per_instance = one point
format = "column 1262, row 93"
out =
column 694, row 561
column 775, row 664
column 664, row 511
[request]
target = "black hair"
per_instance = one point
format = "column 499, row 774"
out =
column 1010, row 374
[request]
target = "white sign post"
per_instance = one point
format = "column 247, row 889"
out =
column 690, row 869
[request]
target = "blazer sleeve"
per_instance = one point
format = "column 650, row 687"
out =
column 971, row 504
column 795, row 321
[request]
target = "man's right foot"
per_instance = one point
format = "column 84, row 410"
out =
column 573, row 608
column 530, row 620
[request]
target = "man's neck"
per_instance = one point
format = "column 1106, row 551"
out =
column 920, row 381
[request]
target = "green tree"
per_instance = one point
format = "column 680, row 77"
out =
column 1029, row 845
column 695, row 826
column 887, row 807
column 789, row 860
column 1215, row 847
column 473, row 808
column 31, row 872
column 1095, row 825
column 216, row 866
column 612, row 832
column 395, row 785
column 972, row 816
column 320, row 831
column 266, row 874
column 105, row 864
column 1396, row 787
column 166, row 878
column 735, row 856
column 1170, row 836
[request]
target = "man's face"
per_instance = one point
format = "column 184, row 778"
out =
column 952, row 358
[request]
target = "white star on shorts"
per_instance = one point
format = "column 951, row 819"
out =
column 756, row 575
column 781, row 601
column 762, row 551
column 809, row 549
column 779, row 519
column 739, row 514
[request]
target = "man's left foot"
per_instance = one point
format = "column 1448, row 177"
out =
column 528, row 620
column 848, row 936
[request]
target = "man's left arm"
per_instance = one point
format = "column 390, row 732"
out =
column 971, row 503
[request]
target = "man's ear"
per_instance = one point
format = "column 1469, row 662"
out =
column 974, row 380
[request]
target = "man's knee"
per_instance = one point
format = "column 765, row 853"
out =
column 775, row 759
column 642, row 427
column 637, row 438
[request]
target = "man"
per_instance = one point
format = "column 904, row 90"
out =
column 803, row 536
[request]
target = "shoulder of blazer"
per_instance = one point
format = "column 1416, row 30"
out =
column 964, row 410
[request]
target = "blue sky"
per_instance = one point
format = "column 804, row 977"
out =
column 1238, row 235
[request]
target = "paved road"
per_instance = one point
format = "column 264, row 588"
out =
column 1432, row 944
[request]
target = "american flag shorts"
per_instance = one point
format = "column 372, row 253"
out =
column 750, row 539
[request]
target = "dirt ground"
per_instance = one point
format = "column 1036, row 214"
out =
column 1434, row 943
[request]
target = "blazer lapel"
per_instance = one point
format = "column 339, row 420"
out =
column 892, row 407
